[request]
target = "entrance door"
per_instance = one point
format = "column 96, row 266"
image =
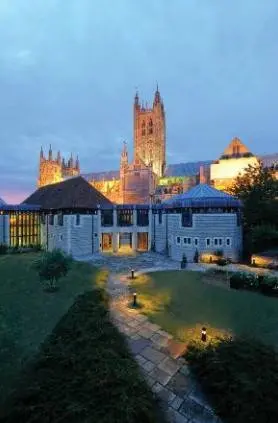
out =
column 142, row 241
column 106, row 242
column 125, row 241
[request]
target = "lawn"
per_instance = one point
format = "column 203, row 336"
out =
column 28, row 314
column 181, row 303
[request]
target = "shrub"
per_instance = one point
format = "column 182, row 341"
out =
column 239, row 377
column 52, row 266
column 267, row 284
column 196, row 256
column 3, row 249
column 221, row 261
column 84, row 372
column 14, row 250
column 240, row 280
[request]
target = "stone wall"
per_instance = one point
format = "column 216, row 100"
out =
column 159, row 233
column 165, row 232
column 205, row 226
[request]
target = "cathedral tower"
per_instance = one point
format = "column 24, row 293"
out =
column 52, row 170
column 149, row 133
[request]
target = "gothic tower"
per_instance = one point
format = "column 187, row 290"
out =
column 149, row 133
column 55, row 169
column 50, row 170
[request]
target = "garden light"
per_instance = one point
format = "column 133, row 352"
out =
column 134, row 299
column 132, row 273
column 204, row 334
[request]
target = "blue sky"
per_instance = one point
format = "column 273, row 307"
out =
column 69, row 70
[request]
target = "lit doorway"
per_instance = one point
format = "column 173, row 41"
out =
column 125, row 242
column 107, row 242
column 142, row 241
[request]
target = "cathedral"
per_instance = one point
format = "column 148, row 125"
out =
column 146, row 178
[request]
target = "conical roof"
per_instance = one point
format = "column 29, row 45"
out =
column 203, row 195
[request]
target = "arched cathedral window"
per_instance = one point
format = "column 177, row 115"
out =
column 150, row 126
column 143, row 128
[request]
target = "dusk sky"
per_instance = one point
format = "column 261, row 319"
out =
column 69, row 70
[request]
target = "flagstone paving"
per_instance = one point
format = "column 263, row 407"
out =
column 160, row 359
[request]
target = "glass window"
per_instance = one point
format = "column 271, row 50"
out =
column 60, row 219
column 196, row 241
column 186, row 218
column 207, row 242
column 77, row 219
column 178, row 239
column 160, row 217
column 228, row 242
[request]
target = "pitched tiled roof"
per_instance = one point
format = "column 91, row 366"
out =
column 74, row 193
column 203, row 195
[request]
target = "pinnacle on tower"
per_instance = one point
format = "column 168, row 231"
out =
column 136, row 99
column 50, row 153
column 59, row 157
column 71, row 160
column 41, row 153
column 157, row 98
column 77, row 164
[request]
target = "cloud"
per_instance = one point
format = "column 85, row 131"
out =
column 68, row 72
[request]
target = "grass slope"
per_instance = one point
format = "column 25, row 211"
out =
column 182, row 303
column 83, row 373
column 28, row 314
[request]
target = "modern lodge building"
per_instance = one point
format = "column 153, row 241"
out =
column 75, row 217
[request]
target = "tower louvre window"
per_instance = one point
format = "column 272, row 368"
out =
column 143, row 128
column 150, row 127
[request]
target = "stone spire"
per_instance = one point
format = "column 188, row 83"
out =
column 50, row 153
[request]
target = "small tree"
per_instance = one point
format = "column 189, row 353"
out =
column 183, row 261
column 196, row 256
column 52, row 266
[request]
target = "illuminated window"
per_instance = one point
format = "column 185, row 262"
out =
column 24, row 229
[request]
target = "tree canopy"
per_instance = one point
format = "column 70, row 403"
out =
column 257, row 188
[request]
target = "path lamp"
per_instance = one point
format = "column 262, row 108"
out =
column 134, row 299
column 132, row 274
column 204, row 334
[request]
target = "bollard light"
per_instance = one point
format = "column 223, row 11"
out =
column 132, row 273
column 134, row 299
column 204, row 334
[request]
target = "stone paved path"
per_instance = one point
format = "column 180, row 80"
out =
column 159, row 357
